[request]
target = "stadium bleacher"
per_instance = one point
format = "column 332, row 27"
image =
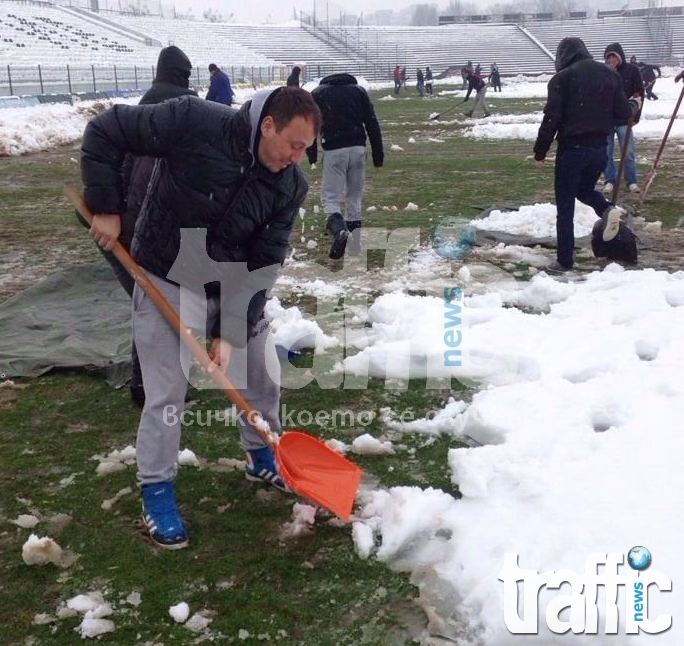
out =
column 120, row 51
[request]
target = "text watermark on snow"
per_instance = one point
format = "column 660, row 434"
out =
column 601, row 569
column 453, row 297
column 337, row 418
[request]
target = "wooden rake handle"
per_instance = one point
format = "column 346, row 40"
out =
column 198, row 350
column 652, row 174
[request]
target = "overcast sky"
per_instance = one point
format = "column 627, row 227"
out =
column 268, row 10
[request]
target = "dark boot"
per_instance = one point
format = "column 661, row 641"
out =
column 337, row 228
column 137, row 390
column 354, row 242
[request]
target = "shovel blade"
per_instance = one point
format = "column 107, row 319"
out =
column 316, row 472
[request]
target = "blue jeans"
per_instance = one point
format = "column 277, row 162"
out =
column 610, row 171
column 576, row 172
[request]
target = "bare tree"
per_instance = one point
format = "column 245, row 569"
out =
column 424, row 14
column 458, row 8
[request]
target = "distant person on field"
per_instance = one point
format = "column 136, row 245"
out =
column 648, row 76
column 420, row 82
column 397, row 79
column 293, row 79
column 403, row 77
column 585, row 99
column 477, row 83
column 172, row 79
column 633, row 86
column 348, row 120
column 495, row 78
column 468, row 66
column 428, row 81
column 220, row 90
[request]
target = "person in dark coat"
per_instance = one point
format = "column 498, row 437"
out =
column 396, row 77
column 633, row 86
column 420, row 82
column 428, row 81
column 495, row 78
column 233, row 179
column 648, row 76
column 293, row 79
column 172, row 79
column 348, row 120
column 585, row 98
column 220, row 90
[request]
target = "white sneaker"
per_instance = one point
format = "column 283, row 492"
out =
column 612, row 218
column 607, row 187
column 633, row 188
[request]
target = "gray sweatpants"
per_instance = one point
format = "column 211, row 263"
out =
column 344, row 174
column 165, row 362
column 480, row 100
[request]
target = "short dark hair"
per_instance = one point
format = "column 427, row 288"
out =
column 286, row 103
column 212, row 67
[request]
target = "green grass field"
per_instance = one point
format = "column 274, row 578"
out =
column 256, row 586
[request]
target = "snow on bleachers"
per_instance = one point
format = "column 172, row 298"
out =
column 32, row 35
column 203, row 42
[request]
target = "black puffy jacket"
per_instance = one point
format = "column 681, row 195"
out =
column 585, row 100
column 207, row 177
column 348, row 116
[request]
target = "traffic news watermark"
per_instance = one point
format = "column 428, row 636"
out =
column 522, row 591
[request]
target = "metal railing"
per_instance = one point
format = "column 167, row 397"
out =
column 20, row 80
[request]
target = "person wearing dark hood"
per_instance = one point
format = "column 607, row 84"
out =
column 293, row 79
column 172, row 79
column 233, row 178
column 348, row 120
column 585, row 98
column 648, row 76
column 633, row 86
column 220, row 90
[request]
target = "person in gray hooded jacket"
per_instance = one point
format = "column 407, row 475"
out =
column 233, row 176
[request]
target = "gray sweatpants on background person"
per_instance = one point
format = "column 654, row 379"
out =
column 344, row 174
column 165, row 363
column 480, row 100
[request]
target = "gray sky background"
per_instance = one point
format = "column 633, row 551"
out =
column 282, row 10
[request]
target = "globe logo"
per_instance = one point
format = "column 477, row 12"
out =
column 453, row 237
column 639, row 558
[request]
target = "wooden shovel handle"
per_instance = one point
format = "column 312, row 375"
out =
column 186, row 334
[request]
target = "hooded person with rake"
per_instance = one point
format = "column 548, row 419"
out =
column 585, row 99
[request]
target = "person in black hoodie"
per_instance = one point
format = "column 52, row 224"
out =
column 648, row 76
column 585, row 98
column 172, row 79
column 293, row 79
column 348, row 120
column 633, row 86
column 231, row 177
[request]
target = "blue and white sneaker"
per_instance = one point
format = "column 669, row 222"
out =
column 161, row 516
column 261, row 467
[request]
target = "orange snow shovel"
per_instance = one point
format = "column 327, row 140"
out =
column 309, row 467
